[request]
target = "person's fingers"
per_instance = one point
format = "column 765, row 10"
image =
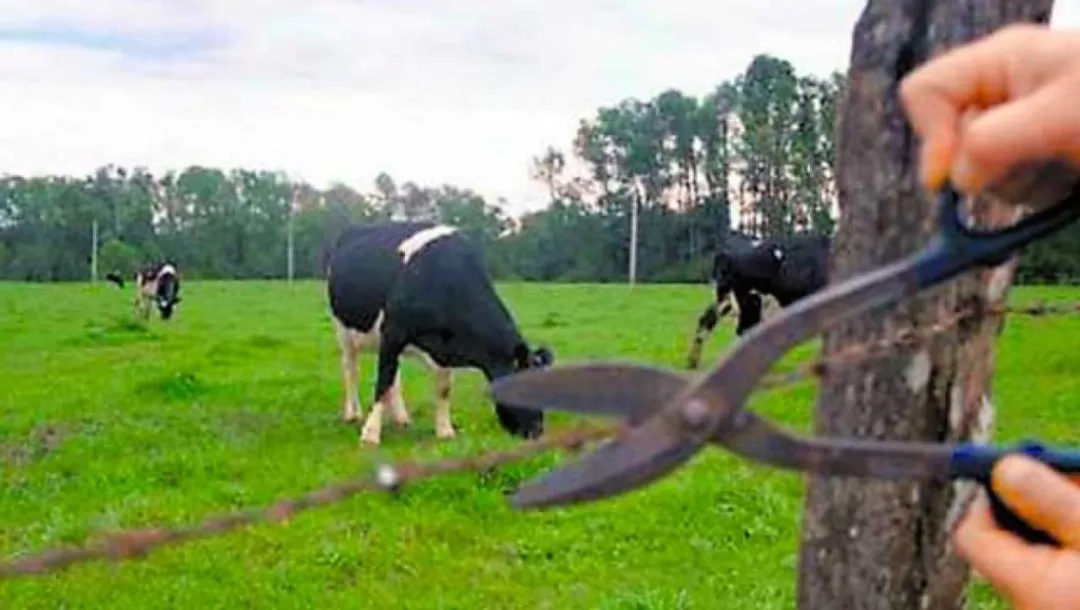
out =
column 1041, row 496
column 1039, row 126
column 1008, row 562
column 935, row 94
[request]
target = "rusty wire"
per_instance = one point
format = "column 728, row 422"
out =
column 390, row 477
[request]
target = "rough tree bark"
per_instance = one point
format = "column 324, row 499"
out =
column 870, row 544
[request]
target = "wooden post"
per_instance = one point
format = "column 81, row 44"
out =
column 881, row 545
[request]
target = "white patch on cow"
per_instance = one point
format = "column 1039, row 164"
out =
column 417, row 241
column 167, row 270
column 778, row 254
column 917, row 372
column 999, row 282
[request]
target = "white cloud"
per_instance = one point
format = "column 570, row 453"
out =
column 428, row 90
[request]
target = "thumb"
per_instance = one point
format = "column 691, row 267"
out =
column 1041, row 496
column 1038, row 126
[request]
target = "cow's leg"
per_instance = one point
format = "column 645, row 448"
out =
column 444, row 425
column 705, row 326
column 749, row 311
column 351, row 410
column 390, row 349
column 142, row 307
column 770, row 307
column 398, row 412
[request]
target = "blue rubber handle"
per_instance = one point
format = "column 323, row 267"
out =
column 976, row 462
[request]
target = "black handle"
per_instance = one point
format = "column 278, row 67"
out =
column 977, row 462
column 957, row 247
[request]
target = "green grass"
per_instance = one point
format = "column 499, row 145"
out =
column 106, row 424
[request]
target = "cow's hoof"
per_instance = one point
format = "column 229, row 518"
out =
column 367, row 437
column 402, row 419
column 350, row 418
column 446, row 433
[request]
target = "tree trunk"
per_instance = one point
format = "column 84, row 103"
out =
column 875, row 544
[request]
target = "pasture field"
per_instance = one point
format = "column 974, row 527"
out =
column 234, row 403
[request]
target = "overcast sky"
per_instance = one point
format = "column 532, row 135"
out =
column 459, row 91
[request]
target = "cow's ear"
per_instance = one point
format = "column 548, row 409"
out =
column 543, row 357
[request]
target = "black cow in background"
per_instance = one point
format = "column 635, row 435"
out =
column 786, row 269
column 157, row 283
column 421, row 290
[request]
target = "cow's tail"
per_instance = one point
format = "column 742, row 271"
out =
column 115, row 278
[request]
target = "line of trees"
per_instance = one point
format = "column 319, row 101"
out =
column 755, row 154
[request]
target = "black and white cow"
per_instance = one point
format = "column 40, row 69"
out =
column 421, row 290
column 157, row 283
column 786, row 269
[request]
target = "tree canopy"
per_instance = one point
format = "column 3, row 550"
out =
column 755, row 154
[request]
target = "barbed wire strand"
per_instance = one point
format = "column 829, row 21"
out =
column 387, row 477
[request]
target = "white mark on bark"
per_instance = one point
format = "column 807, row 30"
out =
column 853, row 532
column 983, row 425
column 917, row 372
column 956, row 407
column 963, row 493
column 999, row 283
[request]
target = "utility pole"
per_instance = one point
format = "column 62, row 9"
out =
column 93, row 251
column 290, row 245
column 633, row 239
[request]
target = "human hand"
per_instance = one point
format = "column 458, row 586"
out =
column 1029, row 576
column 985, row 107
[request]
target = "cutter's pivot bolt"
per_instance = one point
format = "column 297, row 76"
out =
column 695, row 414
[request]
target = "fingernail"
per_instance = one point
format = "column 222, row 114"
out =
column 1014, row 473
column 934, row 164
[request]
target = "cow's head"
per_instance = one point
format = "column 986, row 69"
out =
column 168, row 295
column 524, row 422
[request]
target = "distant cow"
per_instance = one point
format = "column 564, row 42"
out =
column 420, row 289
column 786, row 269
column 157, row 283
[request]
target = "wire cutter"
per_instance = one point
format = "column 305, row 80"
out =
column 671, row 417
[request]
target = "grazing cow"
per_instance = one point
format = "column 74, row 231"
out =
column 154, row 282
column 114, row 277
column 786, row 269
column 419, row 289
